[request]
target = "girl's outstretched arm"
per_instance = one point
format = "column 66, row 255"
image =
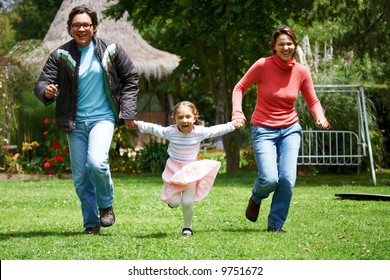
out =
column 152, row 128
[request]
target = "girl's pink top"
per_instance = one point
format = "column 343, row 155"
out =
column 278, row 85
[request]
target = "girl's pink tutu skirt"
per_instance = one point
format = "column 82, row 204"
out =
column 177, row 175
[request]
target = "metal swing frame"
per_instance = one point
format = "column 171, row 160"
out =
column 339, row 147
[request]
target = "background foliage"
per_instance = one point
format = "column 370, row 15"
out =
column 344, row 42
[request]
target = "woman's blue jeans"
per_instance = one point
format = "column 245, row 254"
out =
column 276, row 153
column 89, row 147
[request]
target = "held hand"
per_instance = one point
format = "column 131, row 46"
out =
column 131, row 123
column 238, row 123
column 51, row 91
column 322, row 123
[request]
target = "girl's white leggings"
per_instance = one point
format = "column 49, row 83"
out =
column 186, row 199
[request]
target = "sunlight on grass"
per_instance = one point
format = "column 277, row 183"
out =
column 42, row 220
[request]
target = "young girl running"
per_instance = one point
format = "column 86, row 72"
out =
column 185, row 178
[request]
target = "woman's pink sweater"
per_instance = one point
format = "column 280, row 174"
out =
column 278, row 85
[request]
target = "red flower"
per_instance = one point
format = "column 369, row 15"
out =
column 45, row 133
column 56, row 145
column 49, row 172
column 59, row 158
column 11, row 155
column 46, row 121
column 5, row 148
column 46, row 165
column 46, row 158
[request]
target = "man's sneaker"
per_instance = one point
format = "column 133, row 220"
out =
column 252, row 210
column 272, row 229
column 187, row 232
column 107, row 217
column 92, row 230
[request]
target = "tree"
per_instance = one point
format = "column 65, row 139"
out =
column 7, row 34
column 217, row 40
column 34, row 17
column 361, row 26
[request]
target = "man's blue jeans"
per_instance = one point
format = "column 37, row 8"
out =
column 276, row 153
column 89, row 147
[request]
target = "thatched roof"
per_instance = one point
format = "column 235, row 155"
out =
column 149, row 61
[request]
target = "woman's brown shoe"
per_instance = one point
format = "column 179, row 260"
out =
column 252, row 210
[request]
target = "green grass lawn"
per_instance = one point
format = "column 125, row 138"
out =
column 41, row 220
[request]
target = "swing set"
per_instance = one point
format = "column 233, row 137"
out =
column 339, row 147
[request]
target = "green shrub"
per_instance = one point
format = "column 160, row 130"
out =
column 154, row 155
column 127, row 161
column 217, row 155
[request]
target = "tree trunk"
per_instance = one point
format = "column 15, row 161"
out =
column 231, row 141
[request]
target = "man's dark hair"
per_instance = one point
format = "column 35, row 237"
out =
column 81, row 10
